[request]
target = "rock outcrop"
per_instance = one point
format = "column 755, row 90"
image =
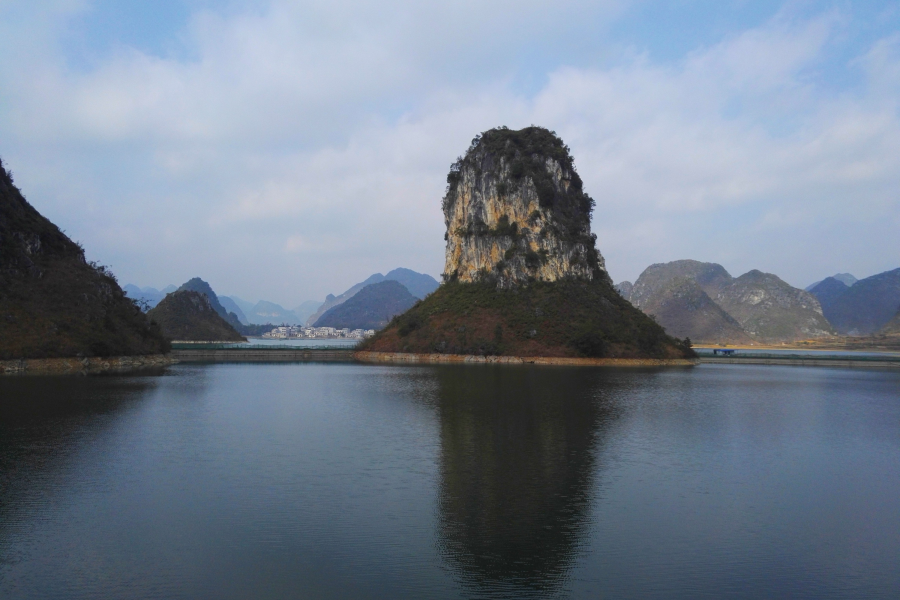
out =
column 711, row 278
column 187, row 315
column 515, row 212
column 55, row 304
column 772, row 310
column 687, row 311
column 522, row 276
column 719, row 308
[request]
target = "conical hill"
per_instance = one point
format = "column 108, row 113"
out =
column 522, row 274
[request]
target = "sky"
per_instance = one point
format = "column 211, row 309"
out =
column 286, row 150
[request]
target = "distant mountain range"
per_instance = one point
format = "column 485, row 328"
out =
column 151, row 296
column 704, row 302
column 371, row 308
column 862, row 308
column 247, row 317
column 419, row 285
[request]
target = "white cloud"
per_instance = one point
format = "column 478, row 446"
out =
column 302, row 147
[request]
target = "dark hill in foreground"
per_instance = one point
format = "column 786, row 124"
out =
column 53, row 303
column 370, row 308
column 190, row 316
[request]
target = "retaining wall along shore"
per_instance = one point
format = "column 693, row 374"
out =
column 84, row 365
column 405, row 357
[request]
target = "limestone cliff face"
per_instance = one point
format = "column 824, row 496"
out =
column 515, row 212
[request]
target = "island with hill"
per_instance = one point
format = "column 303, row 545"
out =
column 523, row 278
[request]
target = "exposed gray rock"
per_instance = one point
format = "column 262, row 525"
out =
column 515, row 211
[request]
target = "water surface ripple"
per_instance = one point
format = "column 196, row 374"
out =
column 452, row 481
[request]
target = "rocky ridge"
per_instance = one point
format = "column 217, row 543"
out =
column 522, row 276
column 719, row 308
column 515, row 211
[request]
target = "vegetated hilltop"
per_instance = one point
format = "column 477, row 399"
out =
column 53, row 303
column 418, row 284
column 198, row 285
column 190, row 316
column 371, row 308
column 755, row 306
column 522, row 274
column 863, row 308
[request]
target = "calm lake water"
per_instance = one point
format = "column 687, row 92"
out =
column 468, row 481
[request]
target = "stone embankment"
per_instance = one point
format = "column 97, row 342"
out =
column 65, row 366
column 408, row 357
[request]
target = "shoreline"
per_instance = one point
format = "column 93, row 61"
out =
column 407, row 357
column 95, row 364
column 803, row 347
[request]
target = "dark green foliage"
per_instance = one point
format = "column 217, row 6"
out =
column 53, row 303
column 591, row 343
column 562, row 318
column 409, row 324
column 190, row 316
column 505, row 228
column 532, row 259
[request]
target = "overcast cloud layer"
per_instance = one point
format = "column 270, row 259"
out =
column 285, row 150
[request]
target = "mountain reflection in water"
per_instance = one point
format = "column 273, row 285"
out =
column 315, row 480
column 517, row 470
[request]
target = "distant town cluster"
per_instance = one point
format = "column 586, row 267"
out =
column 293, row 331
